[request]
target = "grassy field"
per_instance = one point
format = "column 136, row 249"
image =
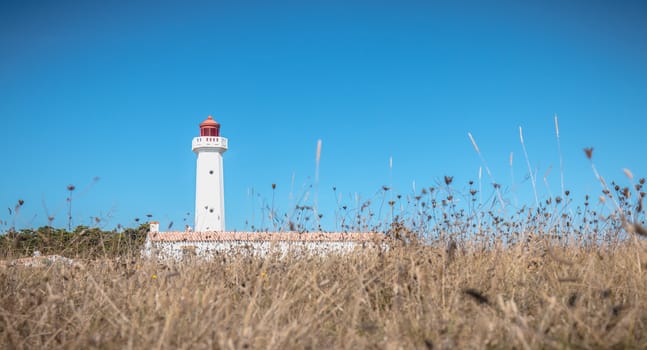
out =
column 482, row 274
column 535, row 294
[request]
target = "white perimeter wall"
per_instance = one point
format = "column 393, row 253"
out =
column 179, row 250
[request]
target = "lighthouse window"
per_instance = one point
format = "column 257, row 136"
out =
column 208, row 132
column 210, row 172
column 211, row 210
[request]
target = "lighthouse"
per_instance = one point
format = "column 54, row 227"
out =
column 209, row 191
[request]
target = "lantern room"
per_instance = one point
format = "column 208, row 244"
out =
column 209, row 127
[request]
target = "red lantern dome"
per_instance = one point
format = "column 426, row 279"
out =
column 209, row 127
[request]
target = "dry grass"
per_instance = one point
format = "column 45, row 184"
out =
column 469, row 276
column 532, row 295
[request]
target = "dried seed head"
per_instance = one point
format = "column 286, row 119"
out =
column 318, row 150
column 448, row 180
column 589, row 152
column 476, row 295
column 70, row 188
column 628, row 173
column 638, row 229
column 273, row 186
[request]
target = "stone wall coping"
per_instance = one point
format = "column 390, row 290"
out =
column 189, row 236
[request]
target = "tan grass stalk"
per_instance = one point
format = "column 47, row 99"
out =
column 532, row 174
column 391, row 184
column 561, row 159
column 316, row 185
column 481, row 185
column 545, row 178
column 487, row 170
column 603, row 183
column 512, row 182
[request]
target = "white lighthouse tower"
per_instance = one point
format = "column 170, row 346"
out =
column 209, row 191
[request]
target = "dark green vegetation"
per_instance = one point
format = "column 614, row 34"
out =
column 83, row 242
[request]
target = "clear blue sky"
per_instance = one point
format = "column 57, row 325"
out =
column 116, row 90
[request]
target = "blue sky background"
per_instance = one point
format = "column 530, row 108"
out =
column 116, row 90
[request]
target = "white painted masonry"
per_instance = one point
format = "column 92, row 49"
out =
column 206, row 245
column 209, row 184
